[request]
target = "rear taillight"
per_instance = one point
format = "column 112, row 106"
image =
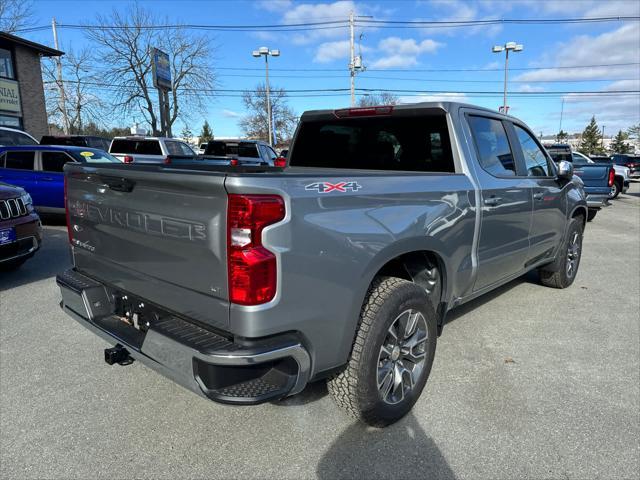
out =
column 127, row 159
column 234, row 162
column 66, row 211
column 280, row 162
column 363, row 111
column 252, row 268
column 167, row 161
column 612, row 176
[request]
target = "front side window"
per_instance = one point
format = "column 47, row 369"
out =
column 173, row 148
column 536, row 162
column 493, row 146
column 20, row 160
column 54, row 161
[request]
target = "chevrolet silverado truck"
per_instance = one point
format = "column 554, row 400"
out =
column 598, row 179
column 244, row 284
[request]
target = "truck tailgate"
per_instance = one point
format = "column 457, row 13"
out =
column 157, row 234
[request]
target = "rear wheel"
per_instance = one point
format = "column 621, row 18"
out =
column 562, row 272
column 616, row 188
column 392, row 354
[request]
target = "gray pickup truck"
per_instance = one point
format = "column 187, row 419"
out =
column 245, row 284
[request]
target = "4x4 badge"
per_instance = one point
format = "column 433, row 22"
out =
column 326, row 187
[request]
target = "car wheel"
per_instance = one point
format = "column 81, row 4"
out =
column 615, row 190
column 392, row 354
column 562, row 272
column 591, row 214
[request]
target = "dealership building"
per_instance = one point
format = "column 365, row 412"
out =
column 22, row 102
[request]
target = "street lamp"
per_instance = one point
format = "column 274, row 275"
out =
column 509, row 46
column 265, row 52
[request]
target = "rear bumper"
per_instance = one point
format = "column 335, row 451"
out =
column 244, row 371
column 597, row 200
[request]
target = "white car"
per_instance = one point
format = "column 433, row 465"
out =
column 621, row 182
column 12, row 136
column 137, row 149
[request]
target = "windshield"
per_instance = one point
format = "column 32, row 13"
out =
column 91, row 155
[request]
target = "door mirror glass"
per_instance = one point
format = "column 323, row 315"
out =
column 565, row 170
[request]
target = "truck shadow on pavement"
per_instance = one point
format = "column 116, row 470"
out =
column 52, row 258
column 402, row 450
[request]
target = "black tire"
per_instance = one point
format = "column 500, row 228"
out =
column 558, row 274
column 356, row 388
column 615, row 190
column 591, row 214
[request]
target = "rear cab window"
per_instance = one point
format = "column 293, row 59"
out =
column 418, row 143
column 140, row 147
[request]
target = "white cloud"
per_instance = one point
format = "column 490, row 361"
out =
column 398, row 52
column 275, row 5
column 319, row 12
column 617, row 46
column 587, row 8
column 529, row 88
column 458, row 10
column 436, row 97
column 330, row 51
column 230, row 114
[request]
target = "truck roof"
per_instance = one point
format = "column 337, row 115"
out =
column 446, row 106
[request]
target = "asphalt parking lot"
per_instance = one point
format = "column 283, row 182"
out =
column 528, row 382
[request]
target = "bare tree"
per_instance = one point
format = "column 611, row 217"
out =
column 372, row 100
column 255, row 124
column 15, row 14
column 83, row 102
column 126, row 39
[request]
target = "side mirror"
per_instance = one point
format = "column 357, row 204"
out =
column 565, row 170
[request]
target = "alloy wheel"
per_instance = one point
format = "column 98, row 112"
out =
column 573, row 254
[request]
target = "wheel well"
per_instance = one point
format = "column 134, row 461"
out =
column 409, row 266
column 581, row 212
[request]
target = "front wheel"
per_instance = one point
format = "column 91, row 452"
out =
column 562, row 272
column 392, row 354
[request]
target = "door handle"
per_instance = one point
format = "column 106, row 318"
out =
column 538, row 196
column 492, row 201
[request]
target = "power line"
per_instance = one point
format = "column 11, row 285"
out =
column 363, row 23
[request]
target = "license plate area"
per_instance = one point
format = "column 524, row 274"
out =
column 7, row 235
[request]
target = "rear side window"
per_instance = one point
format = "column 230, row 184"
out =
column 19, row 160
column 418, row 143
column 537, row 163
column 8, row 137
column 249, row 150
column 54, row 161
column 140, row 147
column 493, row 147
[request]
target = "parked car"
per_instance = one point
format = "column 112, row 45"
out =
column 621, row 180
column 598, row 179
column 20, row 227
column 38, row 169
column 77, row 140
column 632, row 162
column 246, row 285
column 12, row 136
column 147, row 149
column 246, row 152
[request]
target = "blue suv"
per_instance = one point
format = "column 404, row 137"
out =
column 38, row 169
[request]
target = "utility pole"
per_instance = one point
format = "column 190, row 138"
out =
column 352, row 69
column 62, row 102
column 516, row 47
column 265, row 52
column 561, row 113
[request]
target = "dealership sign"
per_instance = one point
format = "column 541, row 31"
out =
column 161, row 69
column 9, row 96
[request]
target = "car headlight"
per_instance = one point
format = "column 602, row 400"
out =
column 26, row 199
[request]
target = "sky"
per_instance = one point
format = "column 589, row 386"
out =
column 408, row 58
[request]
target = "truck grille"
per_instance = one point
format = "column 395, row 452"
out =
column 12, row 208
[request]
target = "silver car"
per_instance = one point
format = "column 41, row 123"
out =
column 148, row 149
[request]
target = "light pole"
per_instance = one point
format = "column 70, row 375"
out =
column 516, row 47
column 265, row 52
